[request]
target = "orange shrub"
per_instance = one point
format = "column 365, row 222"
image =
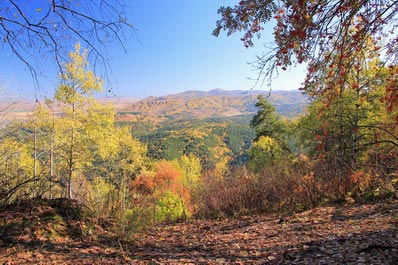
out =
column 167, row 178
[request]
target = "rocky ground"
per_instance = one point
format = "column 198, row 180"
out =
column 353, row 234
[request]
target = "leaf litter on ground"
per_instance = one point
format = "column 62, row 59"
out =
column 350, row 234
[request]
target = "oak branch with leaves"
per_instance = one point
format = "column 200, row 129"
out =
column 307, row 31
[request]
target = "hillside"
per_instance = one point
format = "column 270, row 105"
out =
column 215, row 141
column 211, row 125
column 353, row 234
column 213, row 103
column 21, row 109
column 185, row 105
column 15, row 109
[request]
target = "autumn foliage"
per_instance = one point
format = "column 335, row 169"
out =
column 329, row 36
column 342, row 149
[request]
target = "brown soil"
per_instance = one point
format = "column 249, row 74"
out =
column 352, row 234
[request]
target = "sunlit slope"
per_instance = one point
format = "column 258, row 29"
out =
column 214, row 103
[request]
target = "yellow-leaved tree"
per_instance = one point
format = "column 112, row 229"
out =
column 74, row 94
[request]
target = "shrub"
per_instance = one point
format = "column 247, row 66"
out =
column 136, row 219
column 170, row 208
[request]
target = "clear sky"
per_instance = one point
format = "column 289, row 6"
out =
column 175, row 51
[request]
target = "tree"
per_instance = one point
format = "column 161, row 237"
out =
column 118, row 165
column 16, row 166
column 351, row 124
column 355, row 109
column 78, row 83
column 42, row 125
column 267, row 123
column 306, row 29
column 271, row 141
column 263, row 153
column 30, row 29
column 351, row 135
column 190, row 169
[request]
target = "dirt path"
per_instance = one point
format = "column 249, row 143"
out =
column 366, row 234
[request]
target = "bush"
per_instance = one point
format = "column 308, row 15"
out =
column 170, row 208
column 136, row 219
column 276, row 188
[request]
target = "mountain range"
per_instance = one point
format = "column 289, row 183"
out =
column 190, row 104
column 208, row 104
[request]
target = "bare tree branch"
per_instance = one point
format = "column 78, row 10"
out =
column 33, row 30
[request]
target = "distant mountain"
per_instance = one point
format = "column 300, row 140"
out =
column 186, row 105
column 221, row 92
column 213, row 103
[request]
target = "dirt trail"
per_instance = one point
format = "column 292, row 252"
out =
column 366, row 234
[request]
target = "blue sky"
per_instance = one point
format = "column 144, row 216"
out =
column 175, row 51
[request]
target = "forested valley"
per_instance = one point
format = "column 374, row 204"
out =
column 214, row 177
column 126, row 173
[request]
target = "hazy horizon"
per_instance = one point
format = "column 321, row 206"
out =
column 13, row 96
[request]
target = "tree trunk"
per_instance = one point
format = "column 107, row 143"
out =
column 52, row 158
column 34, row 162
column 71, row 157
